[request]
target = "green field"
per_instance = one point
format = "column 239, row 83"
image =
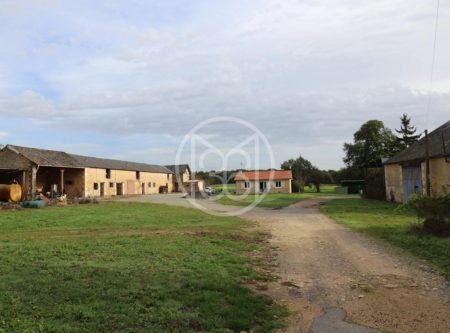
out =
column 221, row 187
column 125, row 267
column 276, row 200
column 383, row 220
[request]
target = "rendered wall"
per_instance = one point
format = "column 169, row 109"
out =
column 439, row 176
column 254, row 187
column 394, row 183
column 149, row 183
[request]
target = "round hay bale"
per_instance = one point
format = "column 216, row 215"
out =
column 11, row 192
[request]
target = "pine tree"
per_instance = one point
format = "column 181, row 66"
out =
column 407, row 133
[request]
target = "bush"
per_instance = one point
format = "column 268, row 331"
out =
column 433, row 211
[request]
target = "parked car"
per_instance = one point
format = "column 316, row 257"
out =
column 209, row 190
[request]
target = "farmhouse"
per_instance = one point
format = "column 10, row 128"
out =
column 253, row 182
column 405, row 173
column 182, row 175
column 56, row 172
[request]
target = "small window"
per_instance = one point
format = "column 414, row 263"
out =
column 95, row 186
column 69, row 182
column 278, row 184
column 108, row 173
column 247, row 184
column 138, row 175
column 168, row 176
column 111, row 185
column 149, row 184
column 154, row 184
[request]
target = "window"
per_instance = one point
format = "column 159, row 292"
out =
column 247, row 184
column 168, row 176
column 149, row 184
column 138, row 175
column 278, row 184
column 154, row 184
column 69, row 182
column 95, row 186
column 108, row 173
column 111, row 185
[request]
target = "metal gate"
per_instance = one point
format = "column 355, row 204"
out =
column 412, row 181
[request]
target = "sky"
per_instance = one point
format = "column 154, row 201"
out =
column 129, row 79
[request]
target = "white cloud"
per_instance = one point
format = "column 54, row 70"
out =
column 307, row 73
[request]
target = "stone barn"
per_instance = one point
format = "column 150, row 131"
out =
column 182, row 175
column 405, row 173
column 56, row 172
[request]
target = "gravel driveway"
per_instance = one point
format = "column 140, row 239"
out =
column 327, row 271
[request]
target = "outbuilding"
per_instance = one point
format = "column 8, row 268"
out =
column 56, row 172
column 271, row 181
column 182, row 175
column 405, row 173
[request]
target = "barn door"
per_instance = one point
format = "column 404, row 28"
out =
column 412, row 181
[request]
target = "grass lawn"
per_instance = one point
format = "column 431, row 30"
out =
column 276, row 200
column 382, row 220
column 129, row 267
column 222, row 187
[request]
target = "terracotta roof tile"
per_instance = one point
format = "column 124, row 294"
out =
column 264, row 175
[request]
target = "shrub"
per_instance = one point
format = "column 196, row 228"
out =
column 433, row 211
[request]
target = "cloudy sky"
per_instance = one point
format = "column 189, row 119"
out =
column 128, row 79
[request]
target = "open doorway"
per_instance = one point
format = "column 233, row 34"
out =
column 262, row 187
column 119, row 189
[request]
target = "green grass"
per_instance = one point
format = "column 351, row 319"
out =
column 125, row 267
column 324, row 188
column 222, row 187
column 275, row 200
column 382, row 220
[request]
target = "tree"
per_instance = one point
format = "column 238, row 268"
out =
column 317, row 177
column 407, row 133
column 301, row 168
column 372, row 142
column 305, row 173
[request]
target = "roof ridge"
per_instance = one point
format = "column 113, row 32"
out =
column 56, row 158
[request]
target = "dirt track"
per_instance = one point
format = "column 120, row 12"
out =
column 322, row 265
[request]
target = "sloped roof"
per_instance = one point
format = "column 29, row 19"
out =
column 60, row 159
column 439, row 146
column 181, row 168
column 263, row 175
column 45, row 157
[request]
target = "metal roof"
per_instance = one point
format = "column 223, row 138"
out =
column 60, row 159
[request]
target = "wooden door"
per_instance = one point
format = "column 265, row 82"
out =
column 412, row 181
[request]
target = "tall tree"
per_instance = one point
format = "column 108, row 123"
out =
column 407, row 133
column 371, row 142
column 301, row 168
